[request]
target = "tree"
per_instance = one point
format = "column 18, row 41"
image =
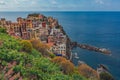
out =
column 27, row 46
column 88, row 72
column 2, row 30
column 41, row 47
column 58, row 60
column 106, row 76
column 66, row 66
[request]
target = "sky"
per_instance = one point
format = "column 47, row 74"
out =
column 59, row 5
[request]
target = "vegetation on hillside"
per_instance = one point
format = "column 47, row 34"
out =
column 106, row 76
column 38, row 45
column 20, row 59
column 27, row 46
column 66, row 66
column 88, row 72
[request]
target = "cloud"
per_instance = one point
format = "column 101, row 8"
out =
column 53, row 1
column 47, row 5
column 99, row 2
column 2, row 3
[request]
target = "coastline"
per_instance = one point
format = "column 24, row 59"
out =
column 68, row 43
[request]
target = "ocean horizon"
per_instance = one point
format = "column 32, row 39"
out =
column 101, row 29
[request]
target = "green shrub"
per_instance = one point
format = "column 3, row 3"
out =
column 88, row 72
column 1, row 42
column 58, row 60
column 2, row 30
column 106, row 76
column 27, row 46
column 41, row 47
column 17, row 69
column 35, row 53
column 52, row 55
column 77, row 77
column 67, row 67
column 4, row 63
column 60, row 77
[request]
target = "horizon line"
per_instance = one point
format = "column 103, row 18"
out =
column 67, row 11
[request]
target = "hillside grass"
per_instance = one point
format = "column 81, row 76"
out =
column 31, row 65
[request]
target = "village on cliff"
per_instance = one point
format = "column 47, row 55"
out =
column 37, row 26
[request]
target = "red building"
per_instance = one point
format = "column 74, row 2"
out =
column 44, row 24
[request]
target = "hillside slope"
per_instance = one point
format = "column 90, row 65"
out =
column 18, row 64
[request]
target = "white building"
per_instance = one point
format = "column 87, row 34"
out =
column 59, row 49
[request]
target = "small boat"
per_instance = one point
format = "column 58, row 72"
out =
column 76, row 56
column 81, row 62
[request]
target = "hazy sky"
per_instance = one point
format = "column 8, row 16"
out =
column 59, row 5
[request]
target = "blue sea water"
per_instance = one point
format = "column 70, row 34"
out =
column 101, row 29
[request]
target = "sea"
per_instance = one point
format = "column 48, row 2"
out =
column 100, row 29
